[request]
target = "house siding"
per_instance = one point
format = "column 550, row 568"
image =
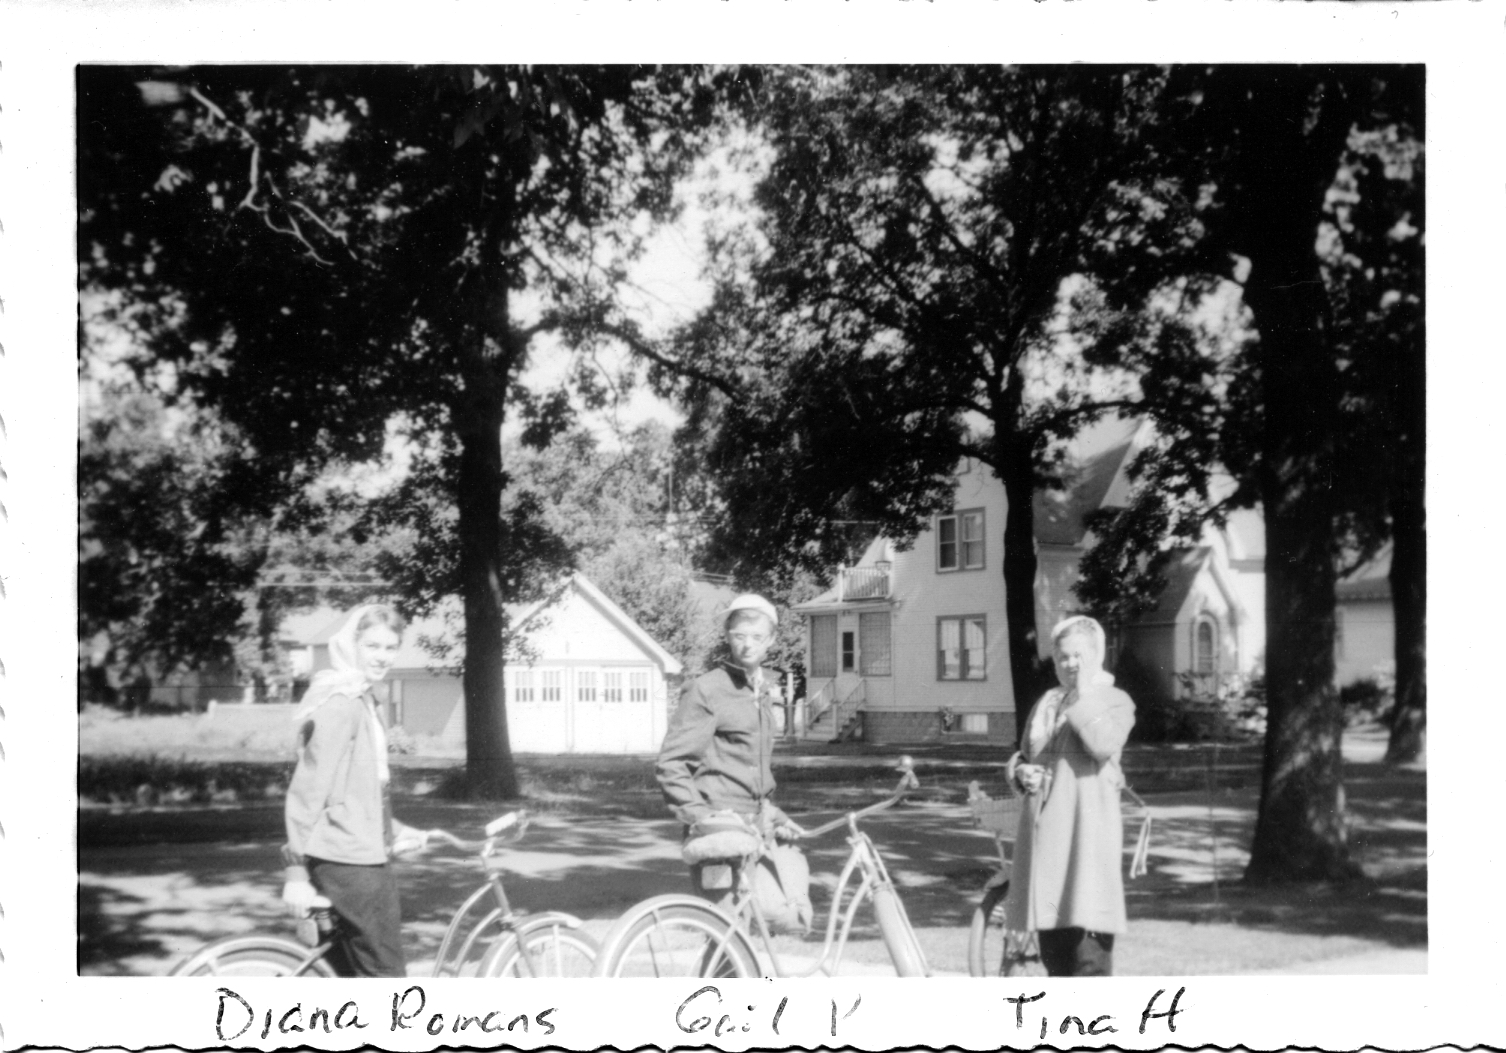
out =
column 1369, row 644
column 922, row 595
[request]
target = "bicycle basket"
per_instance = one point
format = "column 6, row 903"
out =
column 781, row 883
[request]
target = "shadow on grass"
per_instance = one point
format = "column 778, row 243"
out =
column 153, row 890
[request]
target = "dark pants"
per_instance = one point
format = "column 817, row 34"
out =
column 369, row 939
column 1076, row 952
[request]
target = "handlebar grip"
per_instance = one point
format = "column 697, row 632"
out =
column 505, row 822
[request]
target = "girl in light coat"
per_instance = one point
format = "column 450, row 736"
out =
column 339, row 822
column 1067, row 884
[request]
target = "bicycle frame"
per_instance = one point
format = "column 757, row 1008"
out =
column 874, row 884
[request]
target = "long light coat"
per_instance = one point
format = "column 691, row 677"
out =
column 1068, row 857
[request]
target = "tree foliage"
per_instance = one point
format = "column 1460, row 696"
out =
column 334, row 257
column 935, row 261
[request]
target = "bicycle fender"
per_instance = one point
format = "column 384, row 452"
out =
column 549, row 917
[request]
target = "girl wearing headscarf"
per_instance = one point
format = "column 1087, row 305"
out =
column 339, row 824
column 1066, row 884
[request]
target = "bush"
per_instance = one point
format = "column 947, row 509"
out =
column 1230, row 706
column 155, row 780
column 1369, row 699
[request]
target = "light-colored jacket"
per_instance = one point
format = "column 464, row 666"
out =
column 337, row 805
column 1068, row 857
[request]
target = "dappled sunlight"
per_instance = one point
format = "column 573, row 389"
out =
column 158, row 884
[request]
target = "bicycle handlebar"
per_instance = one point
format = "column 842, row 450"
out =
column 502, row 830
column 907, row 782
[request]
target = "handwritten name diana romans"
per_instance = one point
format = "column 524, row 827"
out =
column 234, row 1016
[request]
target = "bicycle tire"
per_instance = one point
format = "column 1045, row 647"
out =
column 990, row 946
column 676, row 936
column 252, row 956
column 551, row 946
column 455, row 957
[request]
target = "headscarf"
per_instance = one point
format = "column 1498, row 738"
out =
column 1047, row 719
column 344, row 677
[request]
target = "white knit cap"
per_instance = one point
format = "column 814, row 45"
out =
column 751, row 601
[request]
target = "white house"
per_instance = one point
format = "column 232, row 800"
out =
column 582, row 677
column 911, row 646
column 905, row 636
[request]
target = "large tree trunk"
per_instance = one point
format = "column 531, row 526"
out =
column 1015, row 469
column 1286, row 166
column 488, row 751
column 1409, row 599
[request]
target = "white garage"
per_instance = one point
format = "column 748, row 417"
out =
column 592, row 681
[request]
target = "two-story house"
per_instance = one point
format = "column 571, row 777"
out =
column 910, row 646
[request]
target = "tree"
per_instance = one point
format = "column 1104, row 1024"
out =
column 164, row 567
column 923, row 244
column 334, row 257
column 1317, row 427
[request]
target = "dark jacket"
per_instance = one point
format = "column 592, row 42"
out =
column 718, row 751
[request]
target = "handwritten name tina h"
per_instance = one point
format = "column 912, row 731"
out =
column 235, row 1017
column 702, row 1011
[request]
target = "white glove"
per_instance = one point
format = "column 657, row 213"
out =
column 410, row 841
column 299, row 896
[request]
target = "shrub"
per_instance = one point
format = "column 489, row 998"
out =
column 1369, row 699
column 152, row 780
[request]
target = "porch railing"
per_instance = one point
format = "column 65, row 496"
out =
column 863, row 583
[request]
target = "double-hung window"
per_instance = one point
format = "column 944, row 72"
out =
column 959, row 541
column 873, row 643
column 637, row 687
column 961, row 648
column 824, row 645
column 585, row 686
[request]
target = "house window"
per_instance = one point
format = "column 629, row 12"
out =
column 637, row 687
column 585, row 686
column 974, row 724
column 959, row 541
column 960, row 652
column 553, row 685
column 824, row 645
column 873, row 643
column 522, row 686
column 611, row 687
column 849, row 650
column 1204, row 647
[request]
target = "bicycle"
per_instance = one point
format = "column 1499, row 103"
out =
column 481, row 940
column 683, row 935
column 993, row 950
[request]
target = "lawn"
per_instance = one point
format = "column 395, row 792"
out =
column 151, row 887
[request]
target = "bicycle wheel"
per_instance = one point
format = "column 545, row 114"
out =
column 252, row 956
column 986, row 942
column 547, row 946
column 675, row 936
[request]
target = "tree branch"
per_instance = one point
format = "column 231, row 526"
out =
column 642, row 347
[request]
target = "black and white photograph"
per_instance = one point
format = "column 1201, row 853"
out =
column 761, row 527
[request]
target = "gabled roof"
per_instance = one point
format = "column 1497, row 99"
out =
column 1093, row 477
column 442, row 627
column 1181, row 573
